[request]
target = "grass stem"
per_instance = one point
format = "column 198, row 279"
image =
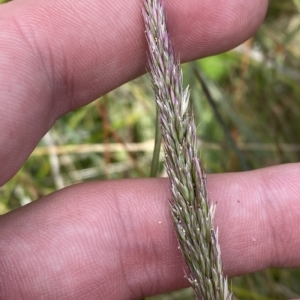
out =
column 157, row 146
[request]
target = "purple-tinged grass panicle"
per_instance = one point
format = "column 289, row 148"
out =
column 191, row 211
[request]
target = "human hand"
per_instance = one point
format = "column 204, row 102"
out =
column 114, row 240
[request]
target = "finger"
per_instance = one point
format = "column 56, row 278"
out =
column 58, row 55
column 116, row 238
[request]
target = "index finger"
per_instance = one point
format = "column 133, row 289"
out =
column 56, row 56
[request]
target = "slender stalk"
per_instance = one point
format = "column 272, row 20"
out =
column 220, row 120
column 157, row 146
column 192, row 214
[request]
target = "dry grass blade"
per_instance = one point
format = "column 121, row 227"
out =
column 192, row 214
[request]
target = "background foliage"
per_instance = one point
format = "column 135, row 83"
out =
column 249, row 118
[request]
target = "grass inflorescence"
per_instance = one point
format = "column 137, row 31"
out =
column 191, row 211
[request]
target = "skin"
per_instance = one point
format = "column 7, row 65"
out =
column 114, row 239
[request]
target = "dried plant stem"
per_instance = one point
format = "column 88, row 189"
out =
column 192, row 214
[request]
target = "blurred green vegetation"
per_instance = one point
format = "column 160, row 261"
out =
column 251, row 121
